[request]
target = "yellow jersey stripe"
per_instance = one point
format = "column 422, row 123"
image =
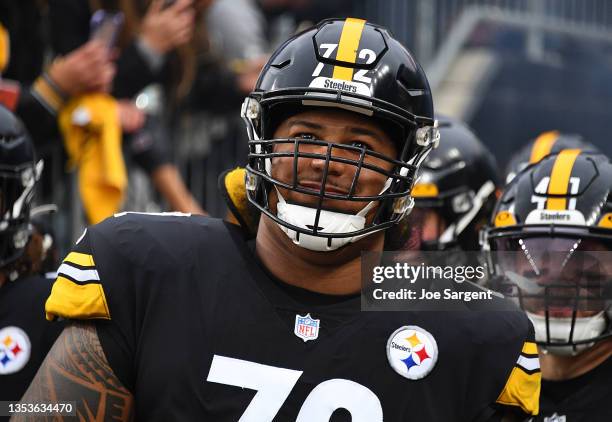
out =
column 542, row 146
column 76, row 301
column 45, row 92
column 82, row 259
column 347, row 47
column 530, row 348
column 522, row 390
column 559, row 178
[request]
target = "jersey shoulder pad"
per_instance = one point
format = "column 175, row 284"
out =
column 109, row 256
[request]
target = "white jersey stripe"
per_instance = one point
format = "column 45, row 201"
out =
column 78, row 274
column 528, row 364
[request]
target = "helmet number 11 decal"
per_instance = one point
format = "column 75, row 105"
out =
column 273, row 386
column 542, row 188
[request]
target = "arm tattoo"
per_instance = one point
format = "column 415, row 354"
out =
column 76, row 369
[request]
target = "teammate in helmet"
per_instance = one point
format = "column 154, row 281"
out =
column 550, row 244
column 25, row 335
column 187, row 321
column 455, row 191
column 546, row 143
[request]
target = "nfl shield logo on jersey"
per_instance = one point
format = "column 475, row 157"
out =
column 306, row 327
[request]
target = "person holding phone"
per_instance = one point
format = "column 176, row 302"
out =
column 39, row 89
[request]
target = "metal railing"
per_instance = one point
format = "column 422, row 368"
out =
column 424, row 25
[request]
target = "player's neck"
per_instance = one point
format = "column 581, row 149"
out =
column 333, row 273
column 558, row 368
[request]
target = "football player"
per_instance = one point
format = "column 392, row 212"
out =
column 181, row 319
column 455, row 192
column 25, row 335
column 546, row 143
column 550, row 244
column 453, row 197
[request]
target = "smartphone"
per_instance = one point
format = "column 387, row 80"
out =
column 105, row 26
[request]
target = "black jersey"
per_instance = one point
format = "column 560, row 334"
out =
column 198, row 331
column 25, row 335
column 586, row 398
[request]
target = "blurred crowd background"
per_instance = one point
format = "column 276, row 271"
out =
column 137, row 108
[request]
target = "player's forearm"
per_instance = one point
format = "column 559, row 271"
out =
column 76, row 370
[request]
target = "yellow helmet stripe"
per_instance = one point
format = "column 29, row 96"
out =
column 347, row 48
column 559, row 178
column 5, row 50
column 424, row 190
column 542, row 146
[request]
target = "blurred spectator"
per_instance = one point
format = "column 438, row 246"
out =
column 155, row 46
column 36, row 86
column 264, row 24
column 39, row 94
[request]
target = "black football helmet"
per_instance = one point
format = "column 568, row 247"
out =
column 549, row 244
column 353, row 65
column 546, row 143
column 18, row 175
column 458, row 182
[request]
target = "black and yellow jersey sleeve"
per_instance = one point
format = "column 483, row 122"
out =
column 522, row 389
column 132, row 275
column 78, row 292
column 503, row 362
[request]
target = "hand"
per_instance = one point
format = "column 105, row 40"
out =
column 131, row 117
column 164, row 29
column 89, row 68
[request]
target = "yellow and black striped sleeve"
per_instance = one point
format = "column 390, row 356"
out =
column 78, row 292
column 522, row 387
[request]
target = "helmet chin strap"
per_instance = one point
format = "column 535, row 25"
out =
column 329, row 222
column 559, row 328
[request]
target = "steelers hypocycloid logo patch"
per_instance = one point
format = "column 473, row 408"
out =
column 14, row 350
column 412, row 352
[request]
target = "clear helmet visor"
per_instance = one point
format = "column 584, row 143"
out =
column 564, row 284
